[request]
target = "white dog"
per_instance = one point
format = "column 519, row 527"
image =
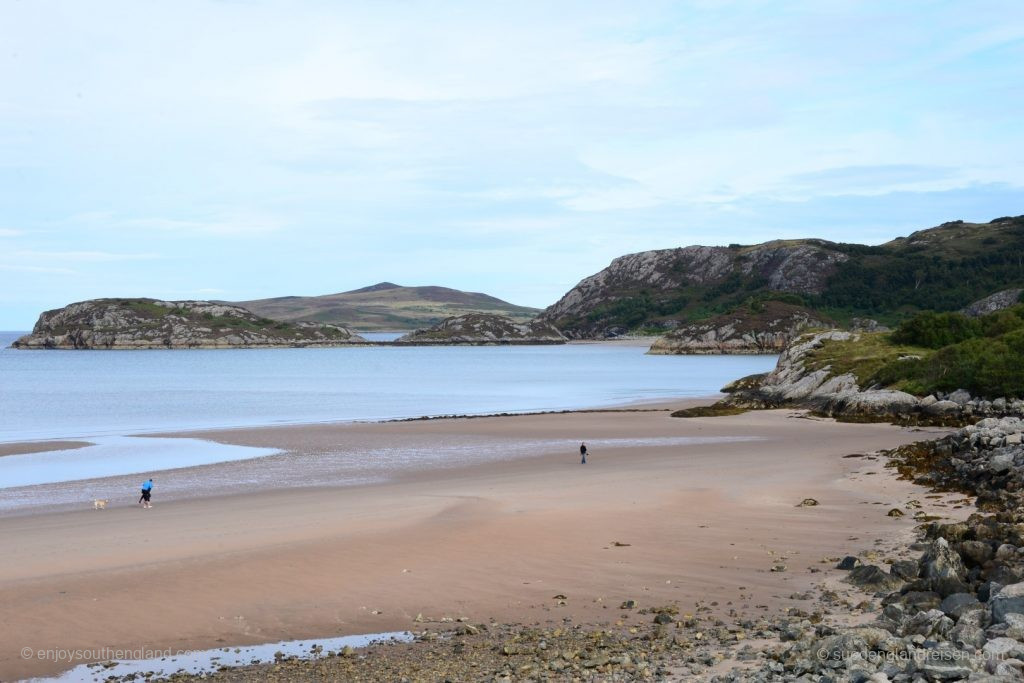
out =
column 100, row 504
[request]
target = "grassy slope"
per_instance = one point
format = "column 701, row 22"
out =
column 386, row 307
column 987, row 359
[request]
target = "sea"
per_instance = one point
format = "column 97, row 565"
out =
column 109, row 397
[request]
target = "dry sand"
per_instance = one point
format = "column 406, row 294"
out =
column 491, row 540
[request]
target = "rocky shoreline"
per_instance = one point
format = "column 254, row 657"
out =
column 768, row 329
column 957, row 612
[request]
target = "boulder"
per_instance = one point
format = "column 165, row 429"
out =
column 1009, row 600
column 942, row 562
column 941, row 408
column 956, row 604
column 848, row 563
column 871, row 578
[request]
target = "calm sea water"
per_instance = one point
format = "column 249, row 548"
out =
column 69, row 394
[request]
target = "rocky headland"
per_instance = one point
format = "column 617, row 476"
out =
column 943, row 268
column 483, row 329
column 155, row 324
column 639, row 288
column 765, row 327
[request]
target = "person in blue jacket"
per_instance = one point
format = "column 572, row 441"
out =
column 147, row 491
column 583, row 454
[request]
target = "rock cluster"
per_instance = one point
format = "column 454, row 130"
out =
column 745, row 331
column 481, row 329
column 156, row 324
column 795, row 383
column 955, row 614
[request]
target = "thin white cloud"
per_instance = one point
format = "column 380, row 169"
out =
column 82, row 256
column 36, row 269
column 230, row 225
column 8, row 232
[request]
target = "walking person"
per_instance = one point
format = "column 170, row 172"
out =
column 147, row 491
column 583, row 454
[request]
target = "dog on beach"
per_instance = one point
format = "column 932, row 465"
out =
column 100, row 504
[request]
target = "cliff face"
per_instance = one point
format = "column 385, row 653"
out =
column 154, row 324
column 597, row 304
column 766, row 329
column 484, row 329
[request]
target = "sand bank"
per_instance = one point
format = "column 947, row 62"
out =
column 652, row 517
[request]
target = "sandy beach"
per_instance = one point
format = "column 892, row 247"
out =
column 672, row 511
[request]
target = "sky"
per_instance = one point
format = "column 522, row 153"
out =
column 235, row 149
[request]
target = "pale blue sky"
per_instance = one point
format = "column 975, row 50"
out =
column 241, row 149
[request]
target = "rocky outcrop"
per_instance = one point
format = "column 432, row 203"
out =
column 993, row 302
column 797, row 381
column 795, row 266
column 482, row 329
column 155, row 324
column 794, row 382
column 768, row 329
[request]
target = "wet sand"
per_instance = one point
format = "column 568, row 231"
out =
column 23, row 447
column 649, row 518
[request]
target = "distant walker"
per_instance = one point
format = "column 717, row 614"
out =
column 147, row 491
column 583, row 454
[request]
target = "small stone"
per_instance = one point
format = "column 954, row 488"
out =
column 848, row 563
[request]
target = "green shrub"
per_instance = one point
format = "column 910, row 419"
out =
column 935, row 330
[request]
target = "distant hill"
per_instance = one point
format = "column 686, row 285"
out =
column 941, row 269
column 385, row 306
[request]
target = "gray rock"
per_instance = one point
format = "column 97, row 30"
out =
column 977, row 552
column 945, row 664
column 1000, row 463
column 960, row 397
column 1001, row 649
column 955, row 605
column 848, row 563
column 942, row 562
column 871, row 578
column 942, row 408
column 930, row 624
column 905, row 569
column 1009, row 600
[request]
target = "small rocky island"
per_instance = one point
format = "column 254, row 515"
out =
column 484, row 329
column 764, row 327
column 155, row 324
